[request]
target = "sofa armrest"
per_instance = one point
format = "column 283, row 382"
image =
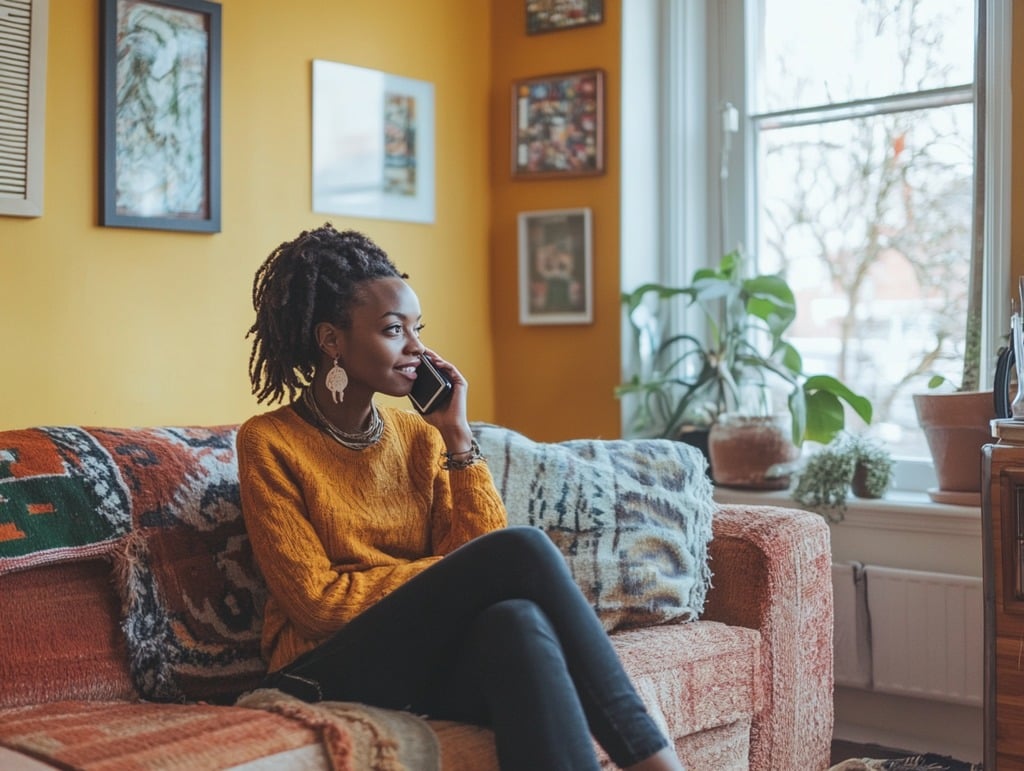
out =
column 772, row 572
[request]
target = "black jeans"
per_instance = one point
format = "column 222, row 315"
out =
column 496, row 634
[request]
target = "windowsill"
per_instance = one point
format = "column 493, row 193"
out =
column 898, row 510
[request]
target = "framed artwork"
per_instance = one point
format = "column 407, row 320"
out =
column 161, row 114
column 555, row 271
column 553, row 15
column 373, row 144
column 558, row 125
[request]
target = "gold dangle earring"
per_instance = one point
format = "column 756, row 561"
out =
column 336, row 381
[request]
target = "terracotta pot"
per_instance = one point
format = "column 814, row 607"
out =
column 743, row 448
column 956, row 426
column 859, row 485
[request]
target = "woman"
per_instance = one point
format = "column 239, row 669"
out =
column 393, row 579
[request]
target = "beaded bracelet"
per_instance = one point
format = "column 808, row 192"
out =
column 449, row 462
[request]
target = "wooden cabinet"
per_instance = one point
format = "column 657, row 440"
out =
column 1003, row 535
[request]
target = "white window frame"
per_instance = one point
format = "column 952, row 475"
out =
column 683, row 61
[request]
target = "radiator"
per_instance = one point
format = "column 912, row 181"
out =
column 852, row 638
column 924, row 632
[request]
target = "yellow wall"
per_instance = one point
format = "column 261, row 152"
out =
column 110, row 326
column 123, row 327
column 554, row 382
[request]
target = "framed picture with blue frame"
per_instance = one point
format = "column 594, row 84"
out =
column 161, row 91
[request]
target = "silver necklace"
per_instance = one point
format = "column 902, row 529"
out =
column 357, row 441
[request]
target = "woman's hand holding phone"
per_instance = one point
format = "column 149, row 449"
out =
column 431, row 389
column 447, row 413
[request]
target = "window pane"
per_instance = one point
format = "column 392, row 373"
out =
column 815, row 52
column 870, row 219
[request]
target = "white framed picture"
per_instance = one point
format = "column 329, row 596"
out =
column 555, row 267
column 373, row 143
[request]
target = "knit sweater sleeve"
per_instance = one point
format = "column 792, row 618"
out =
column 317, row 597
column 466, row 505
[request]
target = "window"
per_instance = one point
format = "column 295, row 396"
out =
column 841, row 147
column 861, row 120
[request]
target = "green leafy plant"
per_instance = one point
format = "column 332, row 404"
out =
column 825, row 479
column 970, row 374
column 691, row 380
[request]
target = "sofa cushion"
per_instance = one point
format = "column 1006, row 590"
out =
column 701, row 683
column 632, row 517
column 60, row 637
column 694, row 676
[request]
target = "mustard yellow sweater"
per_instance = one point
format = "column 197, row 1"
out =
column 334, row 530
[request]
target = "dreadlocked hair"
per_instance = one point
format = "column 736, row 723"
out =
column 303, row 282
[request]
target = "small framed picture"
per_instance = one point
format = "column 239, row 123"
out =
column 555, row 271
column 558, row 125
column 553, row 15
column 373, row 143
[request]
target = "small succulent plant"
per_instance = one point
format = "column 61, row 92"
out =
column 848, row 462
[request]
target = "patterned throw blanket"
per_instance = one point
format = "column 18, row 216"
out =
column 61, row 498
column 146, row 736
column 268, row 729
column 163, row 503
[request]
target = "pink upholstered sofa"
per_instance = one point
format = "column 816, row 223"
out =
column 130, row 612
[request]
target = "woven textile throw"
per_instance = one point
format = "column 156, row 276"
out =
column 145, row 736
column 632, row 517
column 61, row 498
column 193, row 595
column 164, row 504
column 358, row 737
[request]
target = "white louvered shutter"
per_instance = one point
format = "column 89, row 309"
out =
column 22, row 105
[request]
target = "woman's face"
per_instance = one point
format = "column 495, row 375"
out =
column 380, row 349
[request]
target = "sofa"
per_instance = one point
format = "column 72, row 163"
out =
column 131, row 608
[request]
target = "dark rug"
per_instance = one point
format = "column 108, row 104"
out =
column 927, row 762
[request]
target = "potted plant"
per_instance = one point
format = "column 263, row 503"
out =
column 849, row 463
column 956, row 423
column 690, row 382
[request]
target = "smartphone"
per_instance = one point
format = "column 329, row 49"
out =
column 431, row 388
